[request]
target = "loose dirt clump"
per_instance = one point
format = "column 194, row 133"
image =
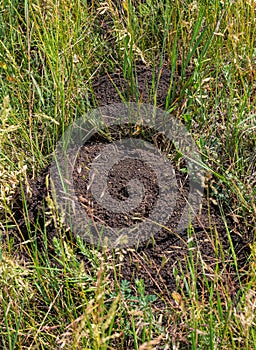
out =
column 162, row 261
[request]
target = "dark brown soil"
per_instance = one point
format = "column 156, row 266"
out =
column 148, row 82
column 160, row 262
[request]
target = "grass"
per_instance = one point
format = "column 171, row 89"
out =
column 49, row 53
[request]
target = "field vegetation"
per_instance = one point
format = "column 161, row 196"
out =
column 50, row 53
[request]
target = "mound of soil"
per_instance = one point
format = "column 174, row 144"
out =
column 161, row 262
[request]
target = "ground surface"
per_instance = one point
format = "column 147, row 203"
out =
column 156, row 261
